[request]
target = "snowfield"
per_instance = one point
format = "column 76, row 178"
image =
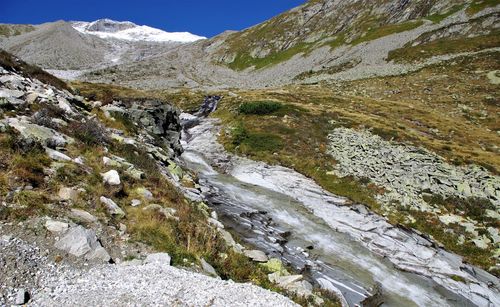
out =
column 132, row 32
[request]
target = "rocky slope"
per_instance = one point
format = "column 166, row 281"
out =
column 90, row 191
column 82, row 45
column 321, row 41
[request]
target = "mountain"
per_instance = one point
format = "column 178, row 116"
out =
column 110, row 29
column 80, row 46
column 323, row 40
column 319, row 41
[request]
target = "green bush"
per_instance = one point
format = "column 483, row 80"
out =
column 90, row 132
column 259, row 107
column 239, row 134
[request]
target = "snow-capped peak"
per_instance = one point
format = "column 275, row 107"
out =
column 125, row 30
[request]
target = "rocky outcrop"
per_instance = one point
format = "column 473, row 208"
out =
column 157, row 118
column 79, row 242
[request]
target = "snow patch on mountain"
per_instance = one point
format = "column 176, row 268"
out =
column 107, row 28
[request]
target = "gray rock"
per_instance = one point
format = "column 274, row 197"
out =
column 66, row 193
column 44, row 135
column 135, row 203
column 56, row 226
column 208, row 268
column 159, row 119
column 22, row 297
column 256, row 255
column 112, row 207
column 168, row 213
column 79, row 241
column 56, row 155
column 158, row 259
column 112, row 178
column 82, row 215
column 145, row 193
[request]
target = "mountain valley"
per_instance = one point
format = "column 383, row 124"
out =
column 342, row 153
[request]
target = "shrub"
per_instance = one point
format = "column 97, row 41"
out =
column 44, row 116
column 239, row 134
column 259, row 107
column 90, row 132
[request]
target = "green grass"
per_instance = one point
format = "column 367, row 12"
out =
column 249, row 142
column 244, row 60
column 378, row 32
column 437, row 18
column 477, row 6
column 259, row 107
column 445, row 46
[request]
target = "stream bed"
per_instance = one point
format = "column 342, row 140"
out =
column 343, row 248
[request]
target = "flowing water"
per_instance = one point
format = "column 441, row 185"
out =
column 284, row 222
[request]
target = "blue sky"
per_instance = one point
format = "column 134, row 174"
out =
column 202, row 17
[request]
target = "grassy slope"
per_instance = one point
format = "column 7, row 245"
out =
column 445, row 46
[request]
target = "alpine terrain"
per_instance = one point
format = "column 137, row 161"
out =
column 342, row 153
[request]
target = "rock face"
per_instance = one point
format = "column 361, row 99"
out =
column 79, row 242
column 159, row 119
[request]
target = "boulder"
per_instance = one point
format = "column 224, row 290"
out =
column 44, row 135
column 208, row 268
column 228, row 238
column 68, row 194
column 79, row 241
column 159, row 119
column 112, row 207
column 135, row 203
column 175, row 170
column 112, row 178
column 22, row 297
column 82, row 216
column 256, row 255
column 135, row 173
column 158, row 259
column 215, row 223
column 64, row 105
column 56, row 227
column 56, row 155
column 275, row 265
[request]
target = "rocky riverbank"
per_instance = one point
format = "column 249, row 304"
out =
column 406, row 250
column 89, row 192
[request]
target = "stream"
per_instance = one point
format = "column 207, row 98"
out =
column 345, row 249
